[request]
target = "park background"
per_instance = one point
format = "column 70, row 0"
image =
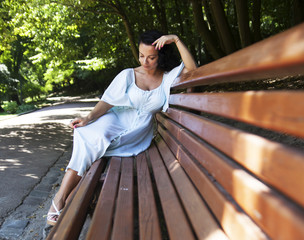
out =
column 76, row 47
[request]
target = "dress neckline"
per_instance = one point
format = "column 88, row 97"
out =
column 134, row 80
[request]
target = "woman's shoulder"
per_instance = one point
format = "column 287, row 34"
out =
column 125, row 73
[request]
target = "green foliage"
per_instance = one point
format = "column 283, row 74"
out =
column 25, row 108
column 49, row 45
column 11, row 107
column 32, row 90
column 7, row 83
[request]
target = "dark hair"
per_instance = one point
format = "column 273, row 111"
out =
column 167, row 59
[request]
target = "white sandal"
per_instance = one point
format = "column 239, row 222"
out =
column 52, row 217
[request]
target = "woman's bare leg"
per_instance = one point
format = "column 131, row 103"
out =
column 69, row 182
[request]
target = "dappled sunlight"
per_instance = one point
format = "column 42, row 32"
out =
column 216, row 234
column 250, row 149
column 30, row 144
column 25, row 149
column 31, row 176
column 248, row 190
column 30, row 141
column 55, row 114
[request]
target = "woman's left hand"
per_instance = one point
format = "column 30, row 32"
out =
column 165, row 39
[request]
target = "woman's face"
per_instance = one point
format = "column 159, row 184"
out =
column 148, row 56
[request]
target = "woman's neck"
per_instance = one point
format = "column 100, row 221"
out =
column 152, row 72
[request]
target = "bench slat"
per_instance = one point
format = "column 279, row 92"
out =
column 277, row 110
column 101, row 224
column 123, row 220
column 235, row 223
column 201, row 219
column 171, row 206
column 278, row 165
column 277, row 56
column 149, row 227
column 70, row 222
column 257, row 199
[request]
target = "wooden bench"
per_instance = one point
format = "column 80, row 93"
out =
column 206, row 176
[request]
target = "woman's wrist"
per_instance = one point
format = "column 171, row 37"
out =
column 176, row 39
column 86, row 120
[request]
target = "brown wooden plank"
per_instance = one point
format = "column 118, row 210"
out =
column 176, row 220
column 278, row 165
column 101, row 224
column 203, row 222
column 123, row 227
column 235, row 223
column 277, row 56
column 149, row 227
column 71, row 220
column 282, row 111
column 259, row 201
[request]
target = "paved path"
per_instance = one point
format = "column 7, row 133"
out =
column 34, row 150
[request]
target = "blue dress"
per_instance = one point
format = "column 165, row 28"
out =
column 127, row 128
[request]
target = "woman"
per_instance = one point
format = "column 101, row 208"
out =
column 121, row 124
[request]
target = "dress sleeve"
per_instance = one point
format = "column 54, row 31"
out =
column 116, row 93
column 168, row 80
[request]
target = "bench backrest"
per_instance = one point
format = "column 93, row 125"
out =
column 252, row 183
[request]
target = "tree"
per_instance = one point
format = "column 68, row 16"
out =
column 205, row 33
column 243, row 22
column 222, row 26
column 7, row 84
column 81, row 45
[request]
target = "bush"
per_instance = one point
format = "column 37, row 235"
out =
column 25, row 108
column 11, row 107
column 32, row 90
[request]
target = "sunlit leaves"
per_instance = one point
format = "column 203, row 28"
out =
column 60, row 42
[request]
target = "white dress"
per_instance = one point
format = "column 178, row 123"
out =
column 127, row 128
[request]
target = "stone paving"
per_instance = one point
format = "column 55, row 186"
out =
column 28, row 221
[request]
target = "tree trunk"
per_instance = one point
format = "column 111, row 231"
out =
column 212, row 27
column 222, row 26
column 161, row 14
column 208, row 14
column 17, row 60
column 202, row 28
column 120, row 12
column 243, row 22
column 298, row 11
column 131, row 37
column 256, row 20
column 179, row 17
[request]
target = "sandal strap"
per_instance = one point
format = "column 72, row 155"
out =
column 52, row 214
column 56, row 209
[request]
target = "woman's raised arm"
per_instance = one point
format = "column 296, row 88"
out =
column 183, row 50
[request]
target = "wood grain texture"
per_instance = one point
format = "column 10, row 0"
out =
column 176, row 221
column 71, row 220
column 149, row 226
column 281, row 111
column 236, row 224
column 278, row 165
column 123, row 227
column 278, row 56
column 101, row 224
column 259, row 201
column 202, row 221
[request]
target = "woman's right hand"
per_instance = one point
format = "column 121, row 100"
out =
column 78, row 122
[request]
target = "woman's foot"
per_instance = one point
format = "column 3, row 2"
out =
column 53, row 214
